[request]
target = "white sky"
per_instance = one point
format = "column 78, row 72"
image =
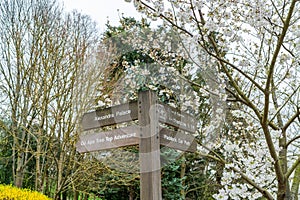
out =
column 101, row 10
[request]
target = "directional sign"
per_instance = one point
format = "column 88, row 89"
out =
column 108, row 140
column 148, row 135
column 178, row 140
column 109, row 116
column 174, row 117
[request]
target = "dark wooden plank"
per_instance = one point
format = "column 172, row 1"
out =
column 108, row 140
column 174, row 117
column 178, row 140
column 149, row 147
column 109, row 116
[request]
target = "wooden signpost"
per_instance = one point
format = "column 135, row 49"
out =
column 176, row 118
column 147, row 134
column 110, row 116
column 177, row 140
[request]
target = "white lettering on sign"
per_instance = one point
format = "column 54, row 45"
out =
column 180, row 123
column 109, row 139
column 103, row 139
column 172, row 139
column 118, row 113
column 176, row 113
column 123, row 112
column 177, row 140
column 108, row 116
column 129, row 135
column 162, row 113
column 100, row 140
column 90, row 142
column 183, row 141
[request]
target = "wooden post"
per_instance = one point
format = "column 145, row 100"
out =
column 149, row 147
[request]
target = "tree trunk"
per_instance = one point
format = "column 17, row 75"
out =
column 283, row 186
column 37, row 166
column 64, row 196
column 86, row 196
column 76, row 195
column 19, row 171
column 296, row 183
column 59, row 175
column 182, row 174
column 131, row 193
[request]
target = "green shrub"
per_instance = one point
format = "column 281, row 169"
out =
column 8, row 192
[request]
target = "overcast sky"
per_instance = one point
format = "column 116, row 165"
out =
column 101, row 10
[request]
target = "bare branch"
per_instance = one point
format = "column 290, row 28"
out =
column 292, row 168
column 292, row 140
column 291, row 120
column 284, row 104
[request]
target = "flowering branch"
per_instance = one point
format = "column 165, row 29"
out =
column 217, row 158
column 165, row 18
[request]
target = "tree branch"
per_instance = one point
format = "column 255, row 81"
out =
column 166, row 18
column 282, row 106
column 291, row 120
column 238, row 70
column 293, row 167
column 264, row 121
column 292, row 140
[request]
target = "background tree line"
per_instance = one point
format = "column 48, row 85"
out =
column 48, row 64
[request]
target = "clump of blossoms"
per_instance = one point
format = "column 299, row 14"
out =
column 149, row 61
column 245, row 155
column 255, row 163
column 165, row 79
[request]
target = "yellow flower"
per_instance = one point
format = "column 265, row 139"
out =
column 8, row 192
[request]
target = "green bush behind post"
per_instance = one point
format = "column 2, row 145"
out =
column 8, row 192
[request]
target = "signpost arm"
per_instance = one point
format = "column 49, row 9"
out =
column 149, row 147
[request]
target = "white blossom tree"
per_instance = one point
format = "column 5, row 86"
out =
column 252, row 48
